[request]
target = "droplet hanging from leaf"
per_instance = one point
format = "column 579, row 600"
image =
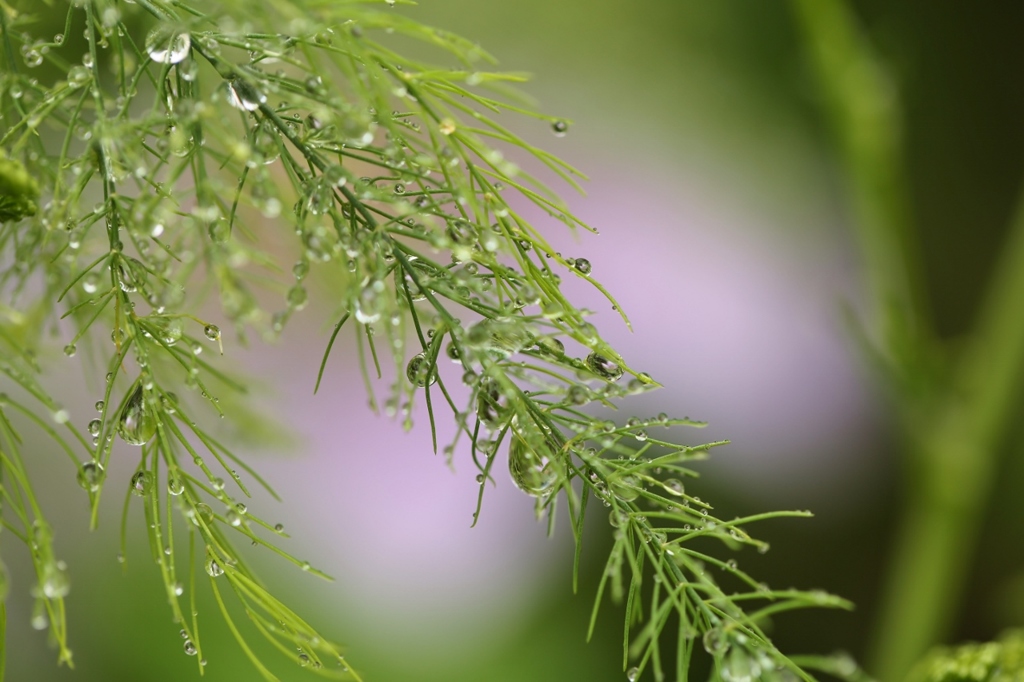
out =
column 137, row 424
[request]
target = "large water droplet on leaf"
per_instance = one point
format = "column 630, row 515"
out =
column 213, row 569
column 137, row 424
column 142, row 483
column 499, row 338
column 604, row 367
column 89, row 475
column 53, row 581
column 242, row 95
column 167, row 45
column 421, row 372
column 531, row 460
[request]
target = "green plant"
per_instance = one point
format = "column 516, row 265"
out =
column 165, row 161
column 175, row 149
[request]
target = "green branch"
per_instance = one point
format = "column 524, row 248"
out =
column 953, row 429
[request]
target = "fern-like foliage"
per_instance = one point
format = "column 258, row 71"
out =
column 175, row 152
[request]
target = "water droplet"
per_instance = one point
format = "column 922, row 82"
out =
column 213, row 569
column 125, row 279
column 94, row 427
column 633, row 674
column 421, row 372
column 99, row 405
column 279, row 528
column 167, row 45
column 559, row 128
column 33, row 58
column 70, row 350
column 583, row 265
column 489, row 408
column 89, row 475
column 54, row 582
column 714, row 642
column 319, row 196
column 212, row 332
column 500, row 338
column 578, row 395
column 78, row 76
column 233, row 518
column 297, row 297
column 175, row 486
column 626, row 487
column 674, row 486
column 530, row 464
column 91, row 283
column 244, row 96
column 202, row 512
column 190, row 648
column 370, row 303
column 142, row 483
column 137, row 424
column 603, row 367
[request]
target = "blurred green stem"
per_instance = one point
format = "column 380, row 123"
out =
column 953, row 428
column 951, row 473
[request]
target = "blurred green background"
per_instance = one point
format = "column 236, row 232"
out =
column 672, row 101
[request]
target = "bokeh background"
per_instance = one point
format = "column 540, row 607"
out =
column 725, row 236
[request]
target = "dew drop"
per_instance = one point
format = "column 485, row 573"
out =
column 213, row 569
column 583, row 266
column 204, row 513
column 137, row 424
column 166, row 45
column 89, row 475
column 70, row 350
column 603, row 367
column 559, row 128
column 125, row 279
column 142, row 483
column 420, row 371
column 175, row 486
column 190, row 648
column 242, row 95
column 674, row 486
column 297, row 297
column 212, row 332
column 531, row 471
column 633, row 674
